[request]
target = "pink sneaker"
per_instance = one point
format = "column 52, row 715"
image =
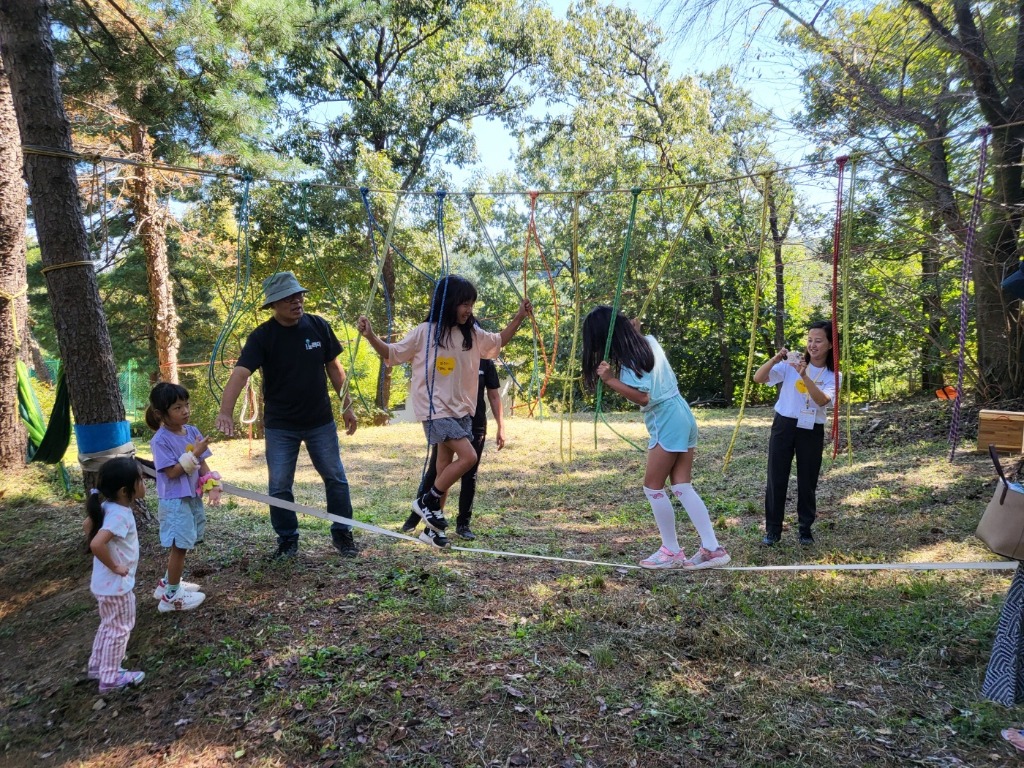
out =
column 705, row 558
column 1015, row 736
column 124, row 679
column 664, row 558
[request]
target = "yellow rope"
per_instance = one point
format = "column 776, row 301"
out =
column 697, row 197
column 14, row 315
column 66, row 264
column 753, row 323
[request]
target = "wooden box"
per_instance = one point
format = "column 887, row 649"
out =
column 1003, row 429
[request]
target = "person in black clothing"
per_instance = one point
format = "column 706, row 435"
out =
column 467, row 490
column 298, row 354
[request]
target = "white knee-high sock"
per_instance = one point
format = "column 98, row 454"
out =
column 664, row 516
column 698, row 513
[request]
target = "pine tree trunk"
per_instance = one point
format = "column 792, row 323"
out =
column 27, row 50
column 13, row 281
column 151, row 221
column 383, row 398
column 778, row 238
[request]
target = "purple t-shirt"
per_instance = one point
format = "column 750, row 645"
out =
column 167, row 447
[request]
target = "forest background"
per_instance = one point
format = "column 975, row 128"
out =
column 287, row 109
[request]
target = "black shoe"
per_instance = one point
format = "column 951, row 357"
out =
column 464, row 532
column 409, row 527
column 432, row 518
column 771, row 539
column 343, row 542
column 434, row 538
column 806, row 539
column 288, row 548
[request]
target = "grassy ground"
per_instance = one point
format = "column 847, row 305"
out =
column 414, row 657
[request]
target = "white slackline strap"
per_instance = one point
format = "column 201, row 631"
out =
column 262, row 498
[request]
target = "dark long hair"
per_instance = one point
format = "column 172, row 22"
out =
column 629, row 349
column 826, row 326
column 115, row 476
column 161, row 398
column 449, row 293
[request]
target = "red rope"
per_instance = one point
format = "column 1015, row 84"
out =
column 837, row 238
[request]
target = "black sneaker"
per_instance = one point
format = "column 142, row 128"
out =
column 464, row 532
column 343, row 542
column 286, row 549
column 806, row 539
column 432, row 518
column 434, row 538
column 771, row 539
column 411, row 523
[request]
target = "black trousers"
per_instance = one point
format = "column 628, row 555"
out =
column 807, row 445
column 467, row 484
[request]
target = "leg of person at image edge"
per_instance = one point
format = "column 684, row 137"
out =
column 1004, row 677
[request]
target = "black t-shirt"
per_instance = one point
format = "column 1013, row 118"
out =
column 295, row 394
column 488, row 380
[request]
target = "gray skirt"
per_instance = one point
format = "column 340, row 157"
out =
column 446, row 428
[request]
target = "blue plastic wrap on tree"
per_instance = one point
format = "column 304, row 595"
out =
column 94, row 438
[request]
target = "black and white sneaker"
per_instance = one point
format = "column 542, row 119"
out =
column 432, row 518
column 434, row 538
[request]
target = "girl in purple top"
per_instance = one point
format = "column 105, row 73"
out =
column 179, row 455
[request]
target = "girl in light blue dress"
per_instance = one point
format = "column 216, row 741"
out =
column 646, row 379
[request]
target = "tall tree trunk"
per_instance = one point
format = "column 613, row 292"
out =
column 383, row 398
column 718, row 310
column 27, row 50
column 1000, row 371
column 778, row 238
column 13, row 281
column 151, row 221
column 932, row 377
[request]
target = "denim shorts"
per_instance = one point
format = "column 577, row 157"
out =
column 182, row 522
column 447, row 428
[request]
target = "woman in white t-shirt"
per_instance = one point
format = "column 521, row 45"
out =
column 807, row 386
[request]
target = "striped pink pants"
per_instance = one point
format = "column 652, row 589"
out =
column 117, row 618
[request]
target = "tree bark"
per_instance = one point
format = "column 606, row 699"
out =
column 778, row 238
column 13, row 281
column 27, row 50
column 151, row 222
column 383, row 399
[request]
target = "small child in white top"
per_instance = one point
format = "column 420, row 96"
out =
column 114, row 543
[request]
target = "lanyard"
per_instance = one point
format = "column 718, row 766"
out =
column 807, row 396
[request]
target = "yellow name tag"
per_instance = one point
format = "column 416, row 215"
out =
column 445, row 365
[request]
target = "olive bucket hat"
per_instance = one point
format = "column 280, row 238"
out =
column 280, row 285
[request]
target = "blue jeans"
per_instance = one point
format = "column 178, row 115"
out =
column 283, row 452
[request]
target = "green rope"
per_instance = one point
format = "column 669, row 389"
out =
column 616, row 303
column 753, row 323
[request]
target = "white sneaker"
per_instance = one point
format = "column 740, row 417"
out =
column 161, row 587
column 182, row 601
column 664, row 558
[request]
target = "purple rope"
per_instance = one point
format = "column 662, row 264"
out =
column 965, row 277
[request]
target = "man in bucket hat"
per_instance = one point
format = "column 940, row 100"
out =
column 298, row 354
